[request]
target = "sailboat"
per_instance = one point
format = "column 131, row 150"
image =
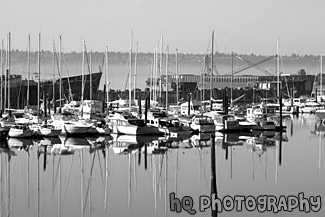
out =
column 43, row 129
column 321, row 112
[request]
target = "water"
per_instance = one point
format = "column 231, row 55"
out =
column 121, row 176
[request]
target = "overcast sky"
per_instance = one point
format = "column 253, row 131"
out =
column 242, row 26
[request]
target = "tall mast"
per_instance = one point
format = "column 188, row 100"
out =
column 130, row 71
column 28, row 72
column 53, row 62
column 167, row 53
column 177, row 80
column 157, row 73
column 151, row 81
column 9, row 60
column 278, row 69
column 160, row 64
column 135, row 71
column 60, row 71
column 39, row 76
column 154, row 81
column 90, row 77
column 83, row 71
column 211, row 75
column 106, row 76
column 1, row 69
column 321, row 76
column 232, row 77
column 6, row 79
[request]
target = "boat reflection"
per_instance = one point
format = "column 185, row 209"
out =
column 5, row 149
column 20, row 143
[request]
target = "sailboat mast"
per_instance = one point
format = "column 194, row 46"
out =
column 211, row 75
column 60, row 71
column 90, row 77
column 6, row 78
column 28, row 72
column 39, row 76
column 135, row 71
column 130, row 79
column 177, row 80
column 1, row 68
column 53, row 62
column 130, row 72
column 106, row 76
column 8, row 65
column 232, row 77
column 83, row 71
column 278, row 69
column 161, row 62
column 321, row 76
column 167, row 53
column 154, row 81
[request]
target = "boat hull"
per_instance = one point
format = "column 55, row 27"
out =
column 20, row 133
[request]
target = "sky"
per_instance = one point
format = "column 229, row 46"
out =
column 241, row 26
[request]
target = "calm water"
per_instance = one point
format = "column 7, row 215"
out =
column 129, row 176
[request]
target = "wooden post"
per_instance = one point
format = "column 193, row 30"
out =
column 280, row 148
column 139, row 157
column 145, row 157
column 189, row 106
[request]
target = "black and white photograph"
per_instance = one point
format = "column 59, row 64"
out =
column 166, row 108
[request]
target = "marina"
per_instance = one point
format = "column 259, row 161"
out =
column 119, row 175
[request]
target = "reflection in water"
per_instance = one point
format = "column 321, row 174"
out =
column 69, row 176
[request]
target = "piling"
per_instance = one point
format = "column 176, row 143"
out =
column 45, row 155
column 145, row 157
column 139, row 157
column 280, row 148
column 189, row 107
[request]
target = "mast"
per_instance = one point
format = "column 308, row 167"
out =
column 39, row 76
column 28, row 72
column 82, row 74
column 321, row 76
column 177, row 80
column 8, row 70
column 135, row 71
column 211, row 75
column 278, row 69
column 232, row 76
column 53, row 61
column 167, row 53
column 106, row 76
column 154, row 81
column 151, row 81
column 1, row 68
column 130, row 71
column 90, row 78
column 60, row 72
column 161, row 62
column 130, row 79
